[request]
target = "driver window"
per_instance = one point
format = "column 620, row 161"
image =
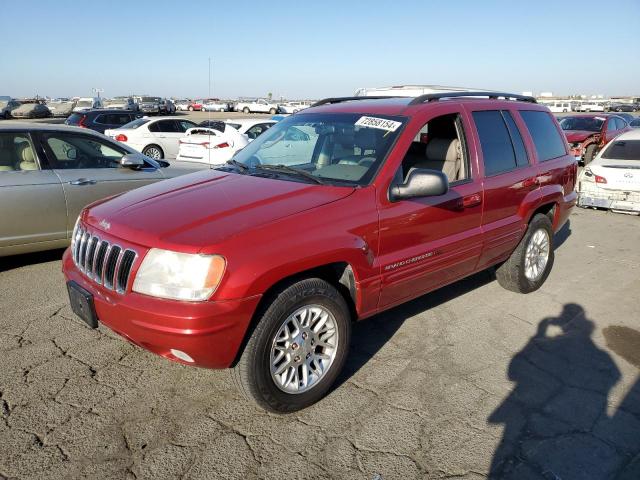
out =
column 439, row 145
column 75, row 151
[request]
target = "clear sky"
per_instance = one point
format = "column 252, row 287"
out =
column 301, row 49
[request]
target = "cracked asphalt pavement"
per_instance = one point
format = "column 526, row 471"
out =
column 469, row 382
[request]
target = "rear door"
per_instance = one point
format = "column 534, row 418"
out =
column 168, row 134
column 509, row 176
column 32, row 202
column 89, row 170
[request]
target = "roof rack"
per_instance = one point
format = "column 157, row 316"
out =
column 431, row 97
column 330, row 100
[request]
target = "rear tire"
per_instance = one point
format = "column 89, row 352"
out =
column 281, row 340
column 589, row 154
column 190, row 108
column 153, row 151
column 272, row 111
column 246, row 110
column 530, row 263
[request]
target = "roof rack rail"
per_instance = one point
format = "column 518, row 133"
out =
column 430, row 97
column 330, row 100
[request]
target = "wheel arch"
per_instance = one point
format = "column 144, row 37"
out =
column 339, row 274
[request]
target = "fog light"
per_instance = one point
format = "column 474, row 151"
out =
column 181, row 355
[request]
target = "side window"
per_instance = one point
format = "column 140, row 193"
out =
column 168, row 126
column 497, row 148
column 439, row 145
column 546, row 138
column 102, row 119
column 620, row 123
column 16, row 153
column 79, row 151
column 154, row 127
column 256, row 130
column 516, row 138
column 611, row 125
column 184, row 125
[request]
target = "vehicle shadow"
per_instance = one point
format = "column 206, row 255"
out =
column 370, row 335
column 25, row 259
column 556, row 424
column 562, row 235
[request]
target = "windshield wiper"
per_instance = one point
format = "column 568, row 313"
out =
column 240, row 166
column 292, row 170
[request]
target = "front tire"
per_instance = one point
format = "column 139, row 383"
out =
column 297, row 349
column 246, row 110
column 272, row 111
column 190, row 109
column 153, row 151
column 530, row 263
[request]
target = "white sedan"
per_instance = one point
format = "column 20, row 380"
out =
column 612, row 179
column 215, row 106
column 251, row 127
column 157, row 138
column 294, row 107
column 211, row 145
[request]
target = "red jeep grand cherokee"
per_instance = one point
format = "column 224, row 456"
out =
column 331, row 216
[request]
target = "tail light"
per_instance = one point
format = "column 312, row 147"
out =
column 81, row 121
column 121, row 138
column 222, row 145
column 600, row 179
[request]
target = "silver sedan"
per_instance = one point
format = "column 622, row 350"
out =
column 48, row 173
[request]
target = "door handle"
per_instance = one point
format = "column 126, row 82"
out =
column 82, row 181
column 469, row 201
column 531, row 182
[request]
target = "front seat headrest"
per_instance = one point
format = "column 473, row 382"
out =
column 27, row 157
column 444, row 149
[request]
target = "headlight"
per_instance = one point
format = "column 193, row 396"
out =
column 179, row 276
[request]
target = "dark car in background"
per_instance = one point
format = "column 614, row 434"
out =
column 622, row 107
column 150, row 104
column 101, row 119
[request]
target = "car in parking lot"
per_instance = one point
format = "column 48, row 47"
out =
column 182, row 105
column 257, row 106
column 293, row 107
column 31, row 109
column 621, row 107
column 590, row 107
column 101, row 119
column 213, row 145
column 87, row 103
column 157, row 138
column 195, row 105
column 588, row 133
column 61, row 108
column 7, row 106
column 262, row 266
column 215, row 105
column 612, row 179
column 167, row 107
column 250, row 127
column 121, row 103
column 48, row 173
column 150, row 105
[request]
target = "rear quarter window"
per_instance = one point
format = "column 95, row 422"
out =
column 546, row 137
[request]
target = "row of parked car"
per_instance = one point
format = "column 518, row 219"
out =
column 149, row 105
column 560, row 106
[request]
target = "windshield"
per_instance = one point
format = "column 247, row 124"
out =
column 590, row 124
column 151, row 99
column 623, row 150
column 335, row 148
column 135, row 124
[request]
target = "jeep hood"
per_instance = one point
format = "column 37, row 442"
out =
column 190, row 212
column 578, row 135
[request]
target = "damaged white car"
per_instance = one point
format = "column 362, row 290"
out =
column 612, row 179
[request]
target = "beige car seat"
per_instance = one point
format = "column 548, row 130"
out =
column 445, row 155
column 27, row 157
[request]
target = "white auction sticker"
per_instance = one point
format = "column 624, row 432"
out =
column 380, row 123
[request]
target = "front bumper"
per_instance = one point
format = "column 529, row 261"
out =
column 211, row 333
column 590, row 195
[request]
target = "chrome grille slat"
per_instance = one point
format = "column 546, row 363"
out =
column 102, row 261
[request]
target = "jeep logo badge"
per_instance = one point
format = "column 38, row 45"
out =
column 104, row 224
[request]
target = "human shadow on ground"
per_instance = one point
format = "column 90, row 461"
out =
column 556, row 424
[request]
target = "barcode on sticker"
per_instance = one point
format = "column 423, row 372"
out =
column 380, row 123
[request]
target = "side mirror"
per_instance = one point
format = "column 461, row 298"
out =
column 420, row 183
column 131, row 161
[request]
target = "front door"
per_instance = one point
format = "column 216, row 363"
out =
column 88, row 168
column 431, row 241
